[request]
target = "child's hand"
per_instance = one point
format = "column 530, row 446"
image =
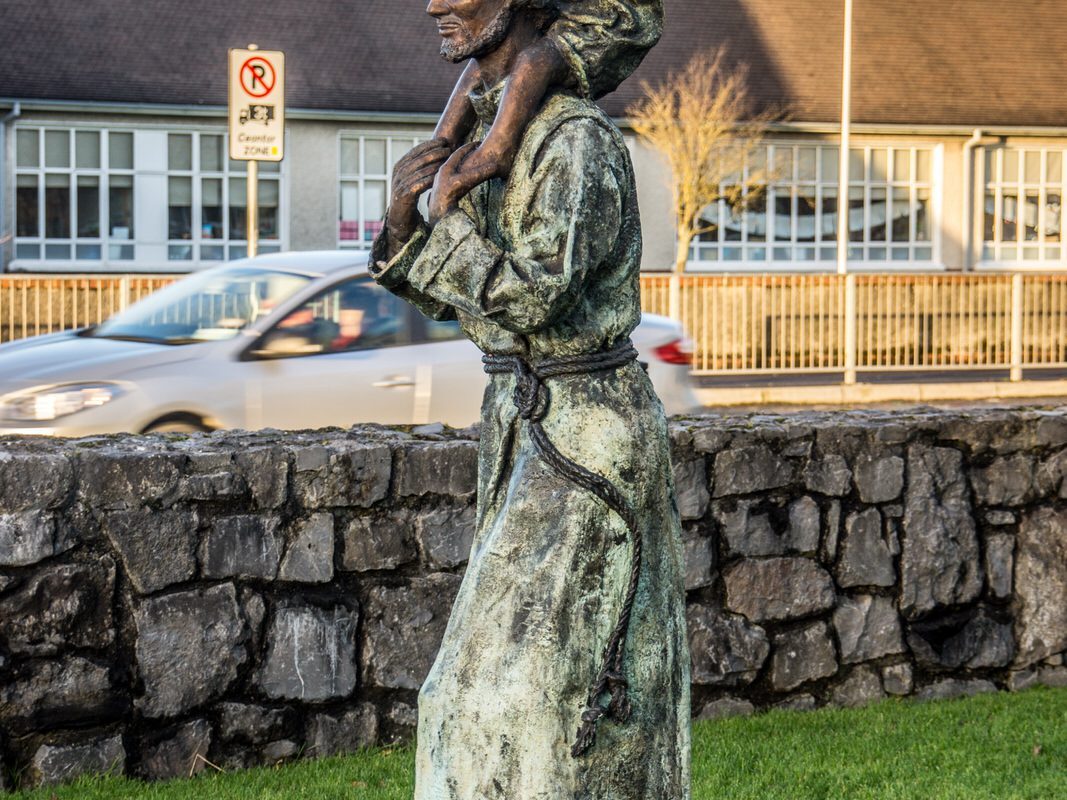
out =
column 454, row 181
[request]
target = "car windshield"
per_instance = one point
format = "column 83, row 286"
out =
column 205, row 307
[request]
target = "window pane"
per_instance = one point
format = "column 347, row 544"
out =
column 855, row 214
column 1009, row 216
column 180, row 208
column 120, row 203
column 87, row 149
column 990, row 216
column 709, row 221
column 829, row 214
column 238, row 208
column 902, row 166
column 120, row 150
column 783, row 164
column 922, row 215
column 878, row 215
column 373, row 208
column 57, row 149
column 734, row 228
column 268, row 209
column 26, row 214
column 350, row 156
column 57, row 206
column 783, row 216
column 901, row 215
column 991, row 175
column 210, row 153
column 922, row 166
column 1053, row 217
column 88, row 206
column 180, row 151
column 28, row 146
column 806, row 164
column 1054, row 167
column 830, row 164
column 374, row 153
column 57, row 252
column 349, row 229
column 879, row 166
column 806, row 215
column 211, row 209
column 856, row 166
column 1030, row 218
column 1011, row 166
column 1032, row 167
column 757, row 219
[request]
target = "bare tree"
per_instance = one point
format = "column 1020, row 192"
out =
column 700, row 120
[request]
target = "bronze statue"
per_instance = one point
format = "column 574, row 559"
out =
column 564, row 670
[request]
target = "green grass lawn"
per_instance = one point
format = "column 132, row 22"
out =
column 1002, row 746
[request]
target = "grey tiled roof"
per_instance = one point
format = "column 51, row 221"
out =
column 959, row 62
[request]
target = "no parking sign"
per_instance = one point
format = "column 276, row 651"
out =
column 257, row 105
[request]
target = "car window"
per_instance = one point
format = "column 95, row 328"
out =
column 354, row 315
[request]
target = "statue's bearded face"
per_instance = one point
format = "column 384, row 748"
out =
column 470, row 28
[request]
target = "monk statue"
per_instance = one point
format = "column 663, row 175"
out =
column 564, row 669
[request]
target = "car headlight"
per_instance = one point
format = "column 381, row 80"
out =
column 53, row 402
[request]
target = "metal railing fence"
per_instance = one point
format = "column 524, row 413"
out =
column 764, row 323
column 775, row 323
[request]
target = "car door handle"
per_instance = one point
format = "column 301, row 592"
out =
column 394, row 382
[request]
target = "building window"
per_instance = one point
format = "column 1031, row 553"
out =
column 1023, row 208
column 74, row 195
column 207, row 201
column 793, row 217
column 366, row 163
column 83, row 198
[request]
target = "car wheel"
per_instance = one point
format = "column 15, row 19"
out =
column 178, row 423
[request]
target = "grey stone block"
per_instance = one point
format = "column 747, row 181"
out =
column 190, row 647
column 699, row 561
column 778, row 588
column 373, row 543
column 726, row 650
column 805, row 521
column 726, row 707
column 265, row 471
column 954, row 687
column 1041, row 585
column 829, row 475
column 311, row 654
column 897, row 679
column 252, row 724
column 1008, row 481
column 180, row 756
column 339, row 734
column 344, row 474
column 61, row 607
column 51, row 694
column 242, row 547
column 402, row 630
column 972, row 639
column 879, row 479
column 279, row 752
column 441, row 468
column 691, row 488
column 750, row 469
column 445, row 536
column 158, row 548
column 862, row 686
column 309, row 558
column 939, row 559
column 62, row 763
column 865, row 558
column 802, row 655
column 112, row 482
column 29, row 537
column 868, row 627
column 800, row 702
column 34, row 481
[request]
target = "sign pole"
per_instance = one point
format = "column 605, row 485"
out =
column 253, row 208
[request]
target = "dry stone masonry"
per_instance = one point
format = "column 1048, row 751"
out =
column 243, row 599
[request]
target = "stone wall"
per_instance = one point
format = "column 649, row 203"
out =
column 243, row 599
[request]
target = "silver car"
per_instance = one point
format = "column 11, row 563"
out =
column 291, row 341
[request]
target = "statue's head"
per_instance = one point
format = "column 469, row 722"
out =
column 473, row 28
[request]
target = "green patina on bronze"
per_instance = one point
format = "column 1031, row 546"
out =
column 545, row 265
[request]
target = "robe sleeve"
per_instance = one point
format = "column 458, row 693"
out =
column 569, row 224
column 392, row 274
column 604, row 41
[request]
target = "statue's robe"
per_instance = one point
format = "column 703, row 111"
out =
column 546, row 264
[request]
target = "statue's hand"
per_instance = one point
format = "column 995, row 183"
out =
column 413, row 175
column 455, row 180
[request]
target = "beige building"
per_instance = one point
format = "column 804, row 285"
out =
column 114, row 132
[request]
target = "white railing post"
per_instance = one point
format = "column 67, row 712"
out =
column 851, row 325
column 1017, row 326
column 124, row 292
column 674, row 297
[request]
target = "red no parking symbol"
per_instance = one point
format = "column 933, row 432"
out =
column 257, row 76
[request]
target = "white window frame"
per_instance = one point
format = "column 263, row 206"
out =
column 999, row 254
column 397, row 143
column 820, row 255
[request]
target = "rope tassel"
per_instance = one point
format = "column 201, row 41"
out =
column 531, row 399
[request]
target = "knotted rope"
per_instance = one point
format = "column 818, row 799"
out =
column 532, row 400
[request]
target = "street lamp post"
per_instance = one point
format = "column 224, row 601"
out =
column 843, row 204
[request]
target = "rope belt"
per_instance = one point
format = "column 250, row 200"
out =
column 532, row 400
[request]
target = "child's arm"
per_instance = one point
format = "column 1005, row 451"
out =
column 458, row 119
